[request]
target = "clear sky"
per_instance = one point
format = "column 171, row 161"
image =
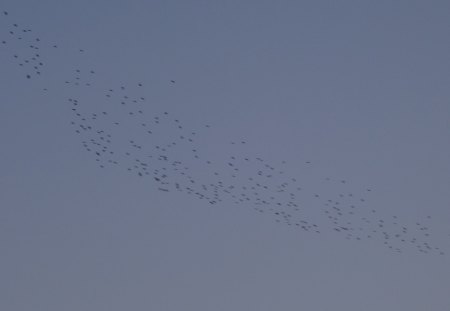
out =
column 181, row 155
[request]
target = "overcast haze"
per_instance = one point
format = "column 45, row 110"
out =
column 341, row 96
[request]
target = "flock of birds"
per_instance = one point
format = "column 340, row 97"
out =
column 120, row 128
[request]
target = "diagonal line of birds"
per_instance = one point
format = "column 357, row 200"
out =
column 119, row 130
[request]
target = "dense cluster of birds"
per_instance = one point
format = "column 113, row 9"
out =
column 120, row 128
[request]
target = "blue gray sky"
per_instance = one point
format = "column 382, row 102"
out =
column 347, row 98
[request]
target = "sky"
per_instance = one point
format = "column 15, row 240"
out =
column 346, row 102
